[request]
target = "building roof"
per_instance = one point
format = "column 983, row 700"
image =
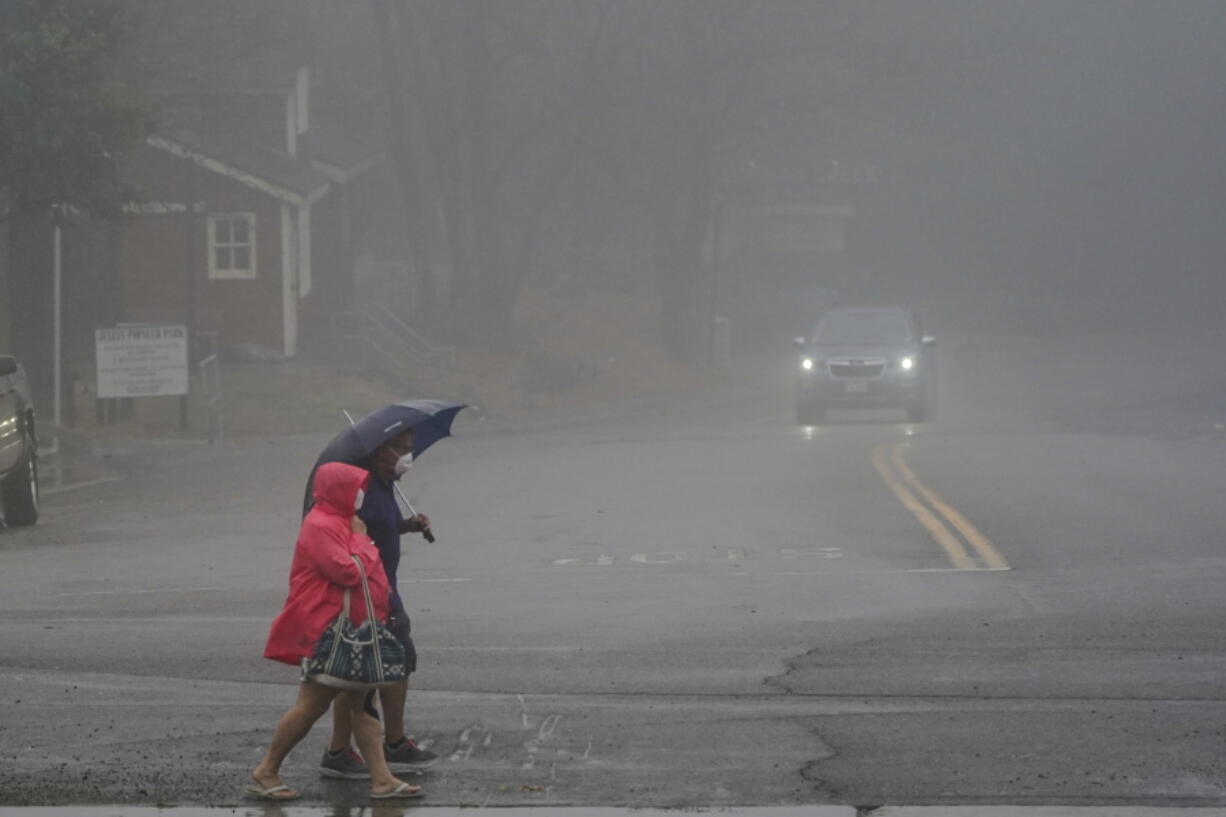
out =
column 270, row 171
column 340, row 153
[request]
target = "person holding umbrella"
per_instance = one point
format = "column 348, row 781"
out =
column 386, row 443
column 331, row 543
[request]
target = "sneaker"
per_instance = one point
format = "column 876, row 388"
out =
column 345, row 764
column 408, row 757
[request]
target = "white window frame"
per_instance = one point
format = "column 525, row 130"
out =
column 247, row 272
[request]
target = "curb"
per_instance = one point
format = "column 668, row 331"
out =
column 298, row 810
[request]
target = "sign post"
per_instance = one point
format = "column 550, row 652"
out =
column 142, row 361
column 57, row 329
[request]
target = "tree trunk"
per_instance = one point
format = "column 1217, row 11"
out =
column 436, row 100
column 670, row 279
column 401, row 142
column 699, row 310
column 30, row 307
column 493, row 312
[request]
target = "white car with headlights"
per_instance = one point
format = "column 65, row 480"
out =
column 864, row 358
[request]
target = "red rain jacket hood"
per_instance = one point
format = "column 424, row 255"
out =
column 322, row 568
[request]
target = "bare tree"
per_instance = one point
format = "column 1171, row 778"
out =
column 502, row 94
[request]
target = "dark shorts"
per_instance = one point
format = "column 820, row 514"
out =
column 400, row 626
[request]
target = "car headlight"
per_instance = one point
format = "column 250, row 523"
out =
column 808, row 364
column 907, row 363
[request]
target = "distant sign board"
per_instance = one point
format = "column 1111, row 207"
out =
column 142, row 361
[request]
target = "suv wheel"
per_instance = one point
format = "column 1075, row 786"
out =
column 20, row 491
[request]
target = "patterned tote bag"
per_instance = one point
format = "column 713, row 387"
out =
column 356, row 657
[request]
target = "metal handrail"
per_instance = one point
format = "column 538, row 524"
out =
column 402, row 350
column 435, row 356
column 213, row 396
column 385, row 314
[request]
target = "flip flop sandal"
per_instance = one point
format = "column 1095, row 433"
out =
column 405, row 791
column 276, row 793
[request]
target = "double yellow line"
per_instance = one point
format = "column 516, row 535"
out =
column 934, row 515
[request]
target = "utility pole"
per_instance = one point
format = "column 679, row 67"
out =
column 189, row 266
column 57, row 329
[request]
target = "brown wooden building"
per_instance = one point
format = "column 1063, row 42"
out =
column 243, row 240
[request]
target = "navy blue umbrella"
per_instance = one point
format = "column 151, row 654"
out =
column 430, row 421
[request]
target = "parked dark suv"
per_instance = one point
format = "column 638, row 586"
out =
column 18, row 446
column 864, row 358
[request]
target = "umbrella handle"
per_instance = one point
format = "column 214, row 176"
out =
column 428, row 534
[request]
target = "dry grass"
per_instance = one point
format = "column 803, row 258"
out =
column 260, row 399
column 578, row 350
column 582, row 349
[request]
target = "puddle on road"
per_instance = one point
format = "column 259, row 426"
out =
column 63, row 467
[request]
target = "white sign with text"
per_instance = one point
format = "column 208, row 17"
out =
column 142, row 361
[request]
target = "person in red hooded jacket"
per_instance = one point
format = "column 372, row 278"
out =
column 321, row 571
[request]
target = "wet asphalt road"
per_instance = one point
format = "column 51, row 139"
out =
column 680, row 603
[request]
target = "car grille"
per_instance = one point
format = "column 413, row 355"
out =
column 869, row 367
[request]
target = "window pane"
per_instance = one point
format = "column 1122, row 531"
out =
column 221, row 230
column 242, row 258
column 240, row 231
column 223, row 258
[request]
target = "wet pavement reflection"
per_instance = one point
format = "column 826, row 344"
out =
column 66, row 463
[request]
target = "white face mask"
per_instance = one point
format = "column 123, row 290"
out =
column 404, row 464
column 357, row 502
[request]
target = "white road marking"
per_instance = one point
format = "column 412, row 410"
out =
column 546, row 730
column 214, row 588
column 664, row 557
column 75, row 486
column 523, row 711
column 821, row 553
column 140, row 592
column 599, row 561
column 669, row 575
column 465, row 745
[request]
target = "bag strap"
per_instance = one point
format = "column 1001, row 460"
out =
column 370, row 604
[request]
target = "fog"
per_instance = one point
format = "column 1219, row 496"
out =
column 687, row 556
column 733, row 165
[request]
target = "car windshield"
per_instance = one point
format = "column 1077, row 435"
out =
column 863, row 327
